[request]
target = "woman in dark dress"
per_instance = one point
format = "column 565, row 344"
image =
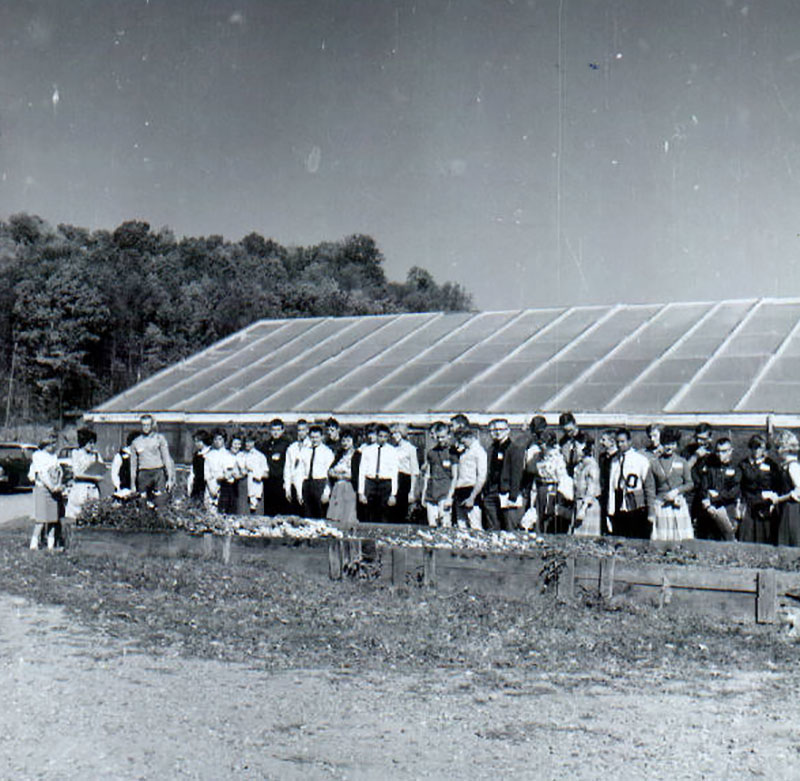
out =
column 759, row 474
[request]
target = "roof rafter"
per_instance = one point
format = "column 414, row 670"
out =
column 559, row 318
column 227, row 378
column 216, row 366
column 444, row 367
column 335, row 357
column 433, row 318
column 530, row 377
column 428, row 349
column 190, row 360
column 671, row 350
column 700, row 373
column 583, row 376
column 339, row 332
column 771, row 361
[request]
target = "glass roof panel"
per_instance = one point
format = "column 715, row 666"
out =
column 792, row 347
column 320, row 372
column 590, row 397
column 774, row 397
column 221, row 368
column 712, row 396
column 650, row 397
column 532, row 397
column 734, row 368
column 241, row 390
column 786, row 368
column 753, row 344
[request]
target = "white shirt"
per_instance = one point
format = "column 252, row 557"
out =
column 407, row 459
column 220, row 465
column 44, row 466
column 472, row 466
column 81, row 460
column 369, row 465
column 635, row 470
column 323, row 460
column 292, row 469
column 253, row 463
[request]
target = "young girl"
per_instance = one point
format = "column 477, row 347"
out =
column 45, row 473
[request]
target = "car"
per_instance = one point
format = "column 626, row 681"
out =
column 15, row 461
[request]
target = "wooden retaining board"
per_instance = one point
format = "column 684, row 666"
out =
column 306, row 557
column 745, row 593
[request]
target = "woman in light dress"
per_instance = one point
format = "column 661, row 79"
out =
column 552, row 495
column 46, row 475
column 587, row 489
column 342, row 506
column 788, row 498
column 673, row 479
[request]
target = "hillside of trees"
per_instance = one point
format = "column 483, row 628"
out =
column 86, row 314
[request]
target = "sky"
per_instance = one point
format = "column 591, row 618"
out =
column 539, row 152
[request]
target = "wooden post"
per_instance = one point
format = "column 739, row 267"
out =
column 607, row 577
column 208, row 545
column 351, row 551
column 399, row 566
column 335, row 559
column 766, row 597
column 429, row 567
column 226, row 549
column 566, row 580
column 665, row 597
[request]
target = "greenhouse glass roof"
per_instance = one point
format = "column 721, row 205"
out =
column 738, row 356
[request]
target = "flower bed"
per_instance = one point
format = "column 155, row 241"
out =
column 138, row 516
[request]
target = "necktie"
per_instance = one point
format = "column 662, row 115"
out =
column 621, row 481
column 311, row 465
column 378, row 464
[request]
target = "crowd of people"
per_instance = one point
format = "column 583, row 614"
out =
column 551, row 480
column 554, row 480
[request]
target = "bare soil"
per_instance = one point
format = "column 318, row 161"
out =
column 180, row 668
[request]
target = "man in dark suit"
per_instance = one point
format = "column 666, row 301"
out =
column 274, row 449
column 503, row 498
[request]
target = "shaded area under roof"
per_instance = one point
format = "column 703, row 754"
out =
column 738, row 356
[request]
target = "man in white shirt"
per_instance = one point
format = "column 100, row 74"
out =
column 377, row 477
column 470, row 477
column 292, row 472
column 407, row 472
column 256, row 469
column 315, row 461
column 631, row 495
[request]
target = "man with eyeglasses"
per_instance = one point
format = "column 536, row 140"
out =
column 503, row 499
column 719, row 481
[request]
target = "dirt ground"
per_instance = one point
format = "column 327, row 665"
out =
column 138, row 669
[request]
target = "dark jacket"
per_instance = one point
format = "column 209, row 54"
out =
column 505, row 468
column 724, row 479
column 275, row 452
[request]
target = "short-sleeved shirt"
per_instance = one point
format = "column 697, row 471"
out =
column 440, row 473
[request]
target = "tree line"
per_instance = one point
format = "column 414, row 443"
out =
column 86, row 314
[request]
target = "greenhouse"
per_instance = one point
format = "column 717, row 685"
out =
column 729, row 363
